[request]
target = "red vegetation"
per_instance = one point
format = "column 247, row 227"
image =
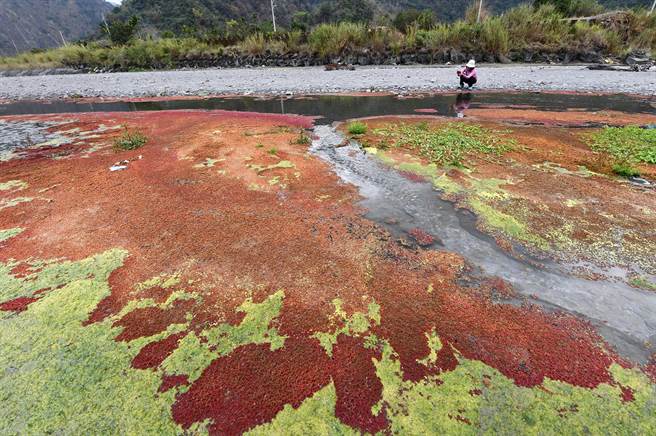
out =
column 422, row 238
column 172, row 381
column 357, row 385
column 250, row 386
column 237, row 242
column 650, row 369
column 151, row 320
column 627, row 394
column 153, row 354
column 18, row 305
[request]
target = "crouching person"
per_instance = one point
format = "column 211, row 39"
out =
column 468, row 74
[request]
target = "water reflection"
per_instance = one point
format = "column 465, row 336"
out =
column 463, row 100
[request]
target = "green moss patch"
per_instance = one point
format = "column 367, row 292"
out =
column 353, row 325
column 643, row 283
column 447, row 144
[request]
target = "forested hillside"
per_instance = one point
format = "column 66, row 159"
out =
column 179, row 15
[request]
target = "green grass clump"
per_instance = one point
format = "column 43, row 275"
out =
column 357, row 128
column 273, row 151
column 625, row 170
column 626, row 144
column 643, row 283
column 447, row 144
column 302, row 139
column 130, row 140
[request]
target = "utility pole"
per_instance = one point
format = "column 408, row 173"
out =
column 273, row 14
column 480, row 9
column 109, row 33
column 15, row 47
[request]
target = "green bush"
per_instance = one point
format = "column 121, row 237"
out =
column 625, row 170
column 254, row 44
column 595, row 37
column 357, row 128
column 121, row 32
column 130, row 140
column 331, row 39
column 424, row 20
column 494, row 36
column 543, row 25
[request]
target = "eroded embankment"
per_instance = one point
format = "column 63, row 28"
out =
column 225, row 281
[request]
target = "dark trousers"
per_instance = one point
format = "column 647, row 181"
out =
column 471, row 81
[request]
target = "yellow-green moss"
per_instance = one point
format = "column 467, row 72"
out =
column 11, row 202
column 494, row 404
column 283, row 164
column 196, row 352
column 13, row 185
column 315, row 416
column 10, row 233
column 434, row 345
column 506, row 224
column 165, row 281
column 63, row 378
column 44, row 275
column 582, row 171
column 354, row 325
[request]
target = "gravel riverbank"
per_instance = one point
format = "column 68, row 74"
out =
column 315, row 80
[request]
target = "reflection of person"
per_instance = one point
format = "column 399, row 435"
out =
column 468, row 74
column 462, row 104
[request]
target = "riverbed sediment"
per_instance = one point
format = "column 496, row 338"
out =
column 313, row 80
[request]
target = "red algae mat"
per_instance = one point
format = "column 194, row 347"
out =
column 222, row 280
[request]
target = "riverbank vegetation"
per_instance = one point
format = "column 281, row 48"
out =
column 514, row 35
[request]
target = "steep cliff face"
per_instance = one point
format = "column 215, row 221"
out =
column 27, row 24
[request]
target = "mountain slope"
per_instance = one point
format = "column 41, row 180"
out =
column 172, row 15
column 27, row 24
